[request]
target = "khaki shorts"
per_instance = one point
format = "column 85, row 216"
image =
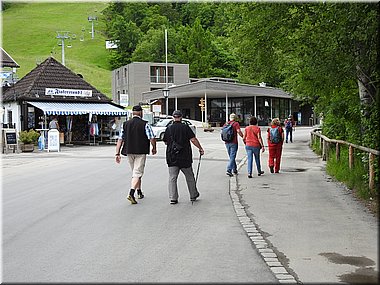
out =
column 137, row 163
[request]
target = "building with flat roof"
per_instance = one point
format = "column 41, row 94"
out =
column 209, row 100
column 130, row 81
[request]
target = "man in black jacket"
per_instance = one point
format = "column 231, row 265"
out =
column 134, row 142
column 179, row 156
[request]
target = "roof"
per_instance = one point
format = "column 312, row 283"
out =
column 58, row 78
column 7, row 60
column 216, row 89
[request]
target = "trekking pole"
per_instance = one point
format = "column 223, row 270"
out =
column 196, row 177
column 199, row 164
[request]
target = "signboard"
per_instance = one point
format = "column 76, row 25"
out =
column 53, row 140
column 124, row 100
column 111, row 44
column 10, row 139
column 156, row 108
column 68, row 92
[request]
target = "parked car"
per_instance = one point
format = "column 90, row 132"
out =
column 159, row 128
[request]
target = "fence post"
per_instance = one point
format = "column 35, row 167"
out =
column 337, row 151
column 351, row 157
column 371, row 172
column 324, row 150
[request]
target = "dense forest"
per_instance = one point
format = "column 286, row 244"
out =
column 323, row 53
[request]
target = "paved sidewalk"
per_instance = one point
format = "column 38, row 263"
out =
column 307, row 227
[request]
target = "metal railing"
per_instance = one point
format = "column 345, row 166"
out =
column 325, row 144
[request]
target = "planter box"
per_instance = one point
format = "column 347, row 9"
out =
column 27, row 147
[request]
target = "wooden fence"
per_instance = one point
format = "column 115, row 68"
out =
column 326, row 143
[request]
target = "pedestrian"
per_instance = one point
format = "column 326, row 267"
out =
column 232, row 147
column 179, row 156
column 289, row 126
column 53, row 125
column 133, row 142
column 253, row 144
column 275, row 138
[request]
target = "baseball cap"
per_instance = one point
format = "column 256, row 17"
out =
column 177, row 113
column 137, row 108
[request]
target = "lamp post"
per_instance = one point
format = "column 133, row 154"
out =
column 166, row 95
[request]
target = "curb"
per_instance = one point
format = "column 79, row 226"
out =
column 253, row 231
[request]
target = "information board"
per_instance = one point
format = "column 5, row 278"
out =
column 53, row 140
column 9, row 139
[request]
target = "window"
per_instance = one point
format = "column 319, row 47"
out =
column 157, row 74
column 10, row 121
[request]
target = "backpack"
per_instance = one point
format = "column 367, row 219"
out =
column 227, row 133
column 288, row 124
column 274, row 135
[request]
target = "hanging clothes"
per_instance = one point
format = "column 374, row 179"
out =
column 94, row 129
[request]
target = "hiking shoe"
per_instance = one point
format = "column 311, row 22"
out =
column 194, row 198
column 261, row 172
column 229, row 174
column 173, row 202
column 249, row 176
column 132, row 199
column 271, row 169
column 140, row 195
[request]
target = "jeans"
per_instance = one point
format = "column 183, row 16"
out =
column 251, row 150
column 289, row 131
column 232, row 151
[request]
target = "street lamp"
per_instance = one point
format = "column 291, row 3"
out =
column 166, row 95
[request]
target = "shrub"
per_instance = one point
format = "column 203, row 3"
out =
column 29, row 137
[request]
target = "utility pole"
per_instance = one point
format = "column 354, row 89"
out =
column 62, row 36
column 92, row 19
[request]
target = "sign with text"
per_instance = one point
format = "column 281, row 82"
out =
column 10, row 137
column 53, row 140
column 68, row 92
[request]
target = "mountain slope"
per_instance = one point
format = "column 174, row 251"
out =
column 30, row 36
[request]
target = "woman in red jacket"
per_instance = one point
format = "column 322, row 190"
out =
column 275, row 138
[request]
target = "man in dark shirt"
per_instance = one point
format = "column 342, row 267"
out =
column 134, row 142
column 179, row 156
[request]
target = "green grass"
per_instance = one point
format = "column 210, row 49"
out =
column 30, row 31
column 355, row 178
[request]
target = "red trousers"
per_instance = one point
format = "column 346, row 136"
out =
column 275, row 152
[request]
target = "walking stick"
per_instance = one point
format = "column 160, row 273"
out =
column 199, row 164
column 196, row 177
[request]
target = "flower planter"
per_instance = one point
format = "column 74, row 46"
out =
column 27, row 147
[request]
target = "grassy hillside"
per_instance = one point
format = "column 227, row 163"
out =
column 30, row 31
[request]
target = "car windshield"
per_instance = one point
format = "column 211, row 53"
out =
column 163, row 123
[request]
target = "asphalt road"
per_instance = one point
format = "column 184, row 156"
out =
column 66, row 219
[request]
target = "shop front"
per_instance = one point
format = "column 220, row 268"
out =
column 52, row 91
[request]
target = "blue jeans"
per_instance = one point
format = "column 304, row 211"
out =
column 251, row 150
column 289, row 131
column 232, row 151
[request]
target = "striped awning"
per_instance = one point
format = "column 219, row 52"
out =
column 55, row 108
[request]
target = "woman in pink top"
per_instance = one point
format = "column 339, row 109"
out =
column 253, row 145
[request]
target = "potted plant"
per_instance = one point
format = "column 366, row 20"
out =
column 28, row 139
